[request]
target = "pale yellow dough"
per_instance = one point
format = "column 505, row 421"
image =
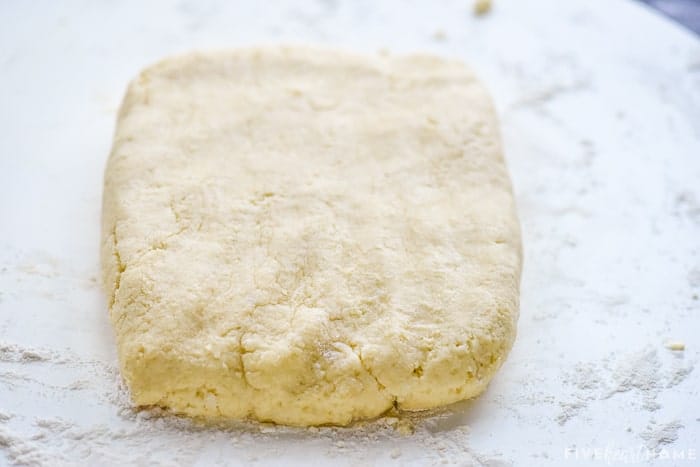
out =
column 308, row 236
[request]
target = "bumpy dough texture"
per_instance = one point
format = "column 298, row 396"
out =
column 308, row 236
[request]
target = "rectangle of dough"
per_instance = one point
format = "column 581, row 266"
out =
column 308, row 236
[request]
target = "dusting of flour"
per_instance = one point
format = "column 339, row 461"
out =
column 644, row 375
column 658, row 434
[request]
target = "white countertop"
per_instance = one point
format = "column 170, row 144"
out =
column 600, row 109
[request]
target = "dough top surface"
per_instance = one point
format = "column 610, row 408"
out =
column 308, row 236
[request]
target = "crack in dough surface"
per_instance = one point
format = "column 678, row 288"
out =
column 307, row 236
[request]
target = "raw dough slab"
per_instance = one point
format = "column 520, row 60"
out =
column 308, row 236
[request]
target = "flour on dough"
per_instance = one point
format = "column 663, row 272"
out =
column 307, row 236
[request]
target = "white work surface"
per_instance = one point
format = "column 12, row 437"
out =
column 600, row 109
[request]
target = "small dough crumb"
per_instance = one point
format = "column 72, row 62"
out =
column 481, row 7
column 439, row 35
column 675, row 345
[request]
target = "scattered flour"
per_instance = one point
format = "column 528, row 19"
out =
column 21, row 451
column 17, row 354
column 657, row 435
column 641, row 374
column 678, row 375
column 570, row 409
column 586, row 381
